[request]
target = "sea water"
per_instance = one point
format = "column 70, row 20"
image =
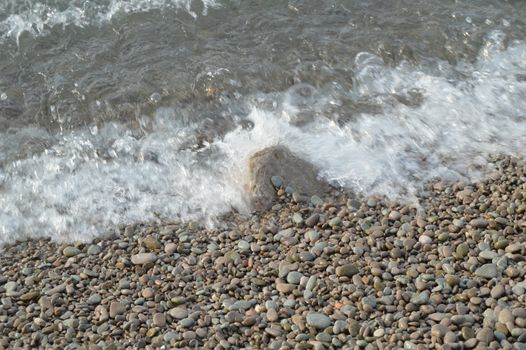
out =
column 118, row 112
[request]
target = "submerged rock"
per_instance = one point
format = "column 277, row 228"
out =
column 277, row 162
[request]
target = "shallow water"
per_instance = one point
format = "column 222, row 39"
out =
column 124, row 111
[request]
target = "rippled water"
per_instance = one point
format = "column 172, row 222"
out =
column 125, row 111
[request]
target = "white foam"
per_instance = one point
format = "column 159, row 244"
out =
column 39, row 17
column 90, row 180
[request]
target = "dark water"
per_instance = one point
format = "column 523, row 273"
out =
column 121, row 111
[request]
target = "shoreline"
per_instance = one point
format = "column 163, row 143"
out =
column 345, row 273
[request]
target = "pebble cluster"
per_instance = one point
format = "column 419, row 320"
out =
column 339, row 273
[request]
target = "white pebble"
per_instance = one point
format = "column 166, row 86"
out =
column 424, row 239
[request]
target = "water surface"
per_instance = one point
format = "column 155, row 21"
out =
column 125, row 111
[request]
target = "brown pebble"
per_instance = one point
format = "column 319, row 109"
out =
column 189, row 335
column 159, row 319
column 148, row 293
column 498, row 291
column 485, row 335
column 272, row 315
column 450, row 337
column 117, row 308
column 439, row 330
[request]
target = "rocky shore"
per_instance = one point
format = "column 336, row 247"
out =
column 338, row 273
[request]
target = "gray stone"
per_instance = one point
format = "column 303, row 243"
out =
column 501, row 262
column 462, row 250
column 420, row 298
column 311, row 283
column 394, row 215
column 354, row 327
column 289, row 303
column 316, row 200
column 450, row 338
column 178, row 312
column 424, row 239
column 71, row 323
column 283, row 269
column 11, row 286
column 318, row 320
column 56, row 290
column 517, row 332
column 241, row 305
column 369, row 301
column 187, row 322
column 379, row 333
column 467, row 333
column 299, row 198
column 243, row 246
column 347, row 270
column 297, row 218
column 478, row 223
column 232, row 255
column 461, row 319
column 294, row 277
column 189, row 335
column 168, row 337
column 318, row 248
column 70, row 251
column 94, row 299
column 335, row 222
column 324, row 337
column 519, row 288
column 307, row 256
column 276, row 181
column 488, row 255
column 124, row 284
column 94, row 249
column 485, row 335
column 143, row 258
column 410, row 345
column 499, row 335
column 312, row 236
column 439, row 330
column 487, row 271
column 339, row 326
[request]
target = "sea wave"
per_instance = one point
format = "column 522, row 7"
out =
column 433, row 120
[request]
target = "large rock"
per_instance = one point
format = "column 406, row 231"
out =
column 278, row 165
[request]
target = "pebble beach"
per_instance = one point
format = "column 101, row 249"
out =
column 310, row 273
